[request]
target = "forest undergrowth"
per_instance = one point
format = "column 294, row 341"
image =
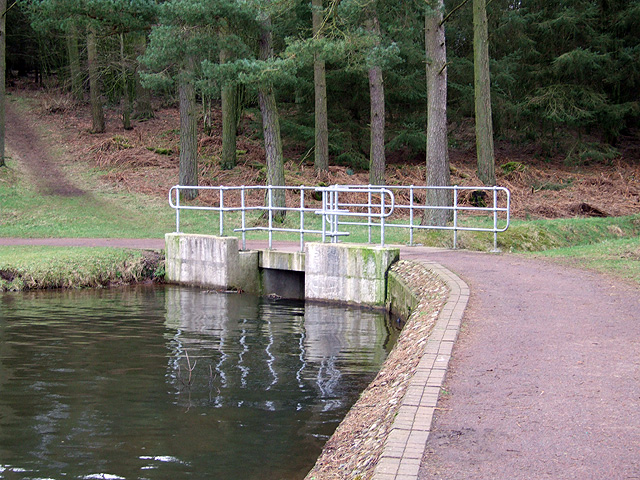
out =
column 542, row 185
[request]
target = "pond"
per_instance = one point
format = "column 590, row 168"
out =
column 171, row 382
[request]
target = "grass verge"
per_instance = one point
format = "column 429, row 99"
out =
column 543, row 235
column 101, row 213
column 617, row 257
column 24, row 268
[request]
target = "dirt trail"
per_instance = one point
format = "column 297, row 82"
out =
column 33, row 152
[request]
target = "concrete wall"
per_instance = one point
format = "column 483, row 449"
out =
column 348, row 272
column 279, row 260
column 213, row 262
column 331, row 272
column 401, row 299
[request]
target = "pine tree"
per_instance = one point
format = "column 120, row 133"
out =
column 142, row 109
column 320, row 89
column 73, row 52
column 107, row 26
column 376, row 94
column 482, row 87
column 97, row 111
column 438, row 173
column 173, row 56
column 271, row 123
column 229, row 99
column 188, row 167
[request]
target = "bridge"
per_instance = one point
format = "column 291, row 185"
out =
column 330, row 269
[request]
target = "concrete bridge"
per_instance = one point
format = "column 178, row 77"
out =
column 337, row 272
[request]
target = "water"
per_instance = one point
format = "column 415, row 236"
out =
column 171, row 382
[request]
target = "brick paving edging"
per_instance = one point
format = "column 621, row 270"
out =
column 404, row 447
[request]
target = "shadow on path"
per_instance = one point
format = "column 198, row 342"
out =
column 35, row 158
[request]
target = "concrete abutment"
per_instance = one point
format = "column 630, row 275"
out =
column 333, row 272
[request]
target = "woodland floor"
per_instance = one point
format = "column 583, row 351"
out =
column 145, row 160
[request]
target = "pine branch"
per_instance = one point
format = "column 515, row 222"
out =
column 4, row 14
column 453, row 11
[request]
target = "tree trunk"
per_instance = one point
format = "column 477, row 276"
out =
column 3, row 68
column 438, row 173
column 271, row 126
column 74, row 63
column 320, row 88
column 126, row 100
column 229, row 127
column 376, row 93
column 229, row 99
column 97, row 113
column 188, row 134
column 482, row 85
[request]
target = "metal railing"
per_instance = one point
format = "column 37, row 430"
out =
column 341, row 206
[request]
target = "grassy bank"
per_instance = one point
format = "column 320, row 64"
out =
column 23, row 268
column 617, row 257
column 103, row 212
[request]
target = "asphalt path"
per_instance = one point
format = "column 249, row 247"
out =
column 544, row 381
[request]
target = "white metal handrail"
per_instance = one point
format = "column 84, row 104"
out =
column 339, row 208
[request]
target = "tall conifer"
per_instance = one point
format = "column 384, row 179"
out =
column 438, row 174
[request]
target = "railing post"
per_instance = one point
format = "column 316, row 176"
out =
column 411, row 215
column 178, row 209
column 302, row 218
column 336, row 220
column 270, row 206
column 242, row 214
column 323, row 218
column 369, row 213
column 495, row 219
column 381, row 218
column 455, row 217
column 334, row 216
column 221, row 212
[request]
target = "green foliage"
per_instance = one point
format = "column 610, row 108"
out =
column 567, row 104
column 161, row 150
column 553, row 186
column 412, row 136
column 352, row 159
column 511, row 167
column 566, row 66
column 589, row 153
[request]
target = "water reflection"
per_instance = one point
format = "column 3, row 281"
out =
column 157, row 383
column 246, row 351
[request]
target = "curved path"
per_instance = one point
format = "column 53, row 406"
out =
column 544, row 380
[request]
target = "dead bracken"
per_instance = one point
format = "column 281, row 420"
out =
column 549, row 188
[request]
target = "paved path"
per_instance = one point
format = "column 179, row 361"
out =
column 544, row 381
